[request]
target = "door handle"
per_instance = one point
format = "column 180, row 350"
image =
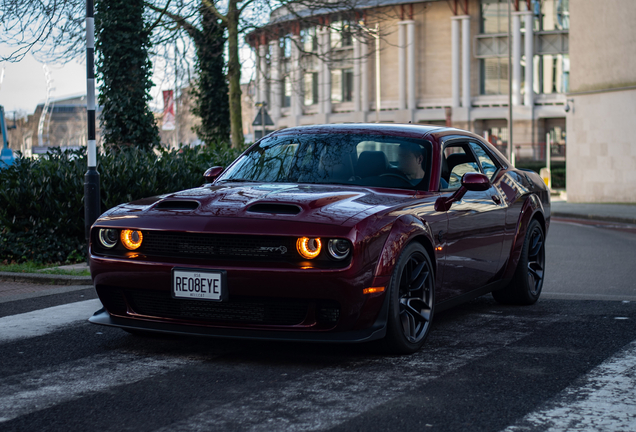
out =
column 496, row 199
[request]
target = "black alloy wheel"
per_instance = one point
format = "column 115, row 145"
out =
column 412, row 301
column 527, row 282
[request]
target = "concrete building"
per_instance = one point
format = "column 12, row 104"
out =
column 601, row 164
column 63, row 125
column 425, row 61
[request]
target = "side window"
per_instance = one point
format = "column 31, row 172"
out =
column 488, row 166
column 456, row 162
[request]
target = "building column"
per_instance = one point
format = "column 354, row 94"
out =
column 410, row 69
column 262, row 76
column 529, row 53
column 297, row 79
column 364, row 76
column 324, row 74
column 402, row 65
column 466, row 96
column 276, row 84
column 516, row 58
column 327, row 69
column 356, row 74
column 455, row 60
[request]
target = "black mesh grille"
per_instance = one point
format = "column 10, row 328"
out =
column 241, row 310
column 218, row 246
column 112, row 299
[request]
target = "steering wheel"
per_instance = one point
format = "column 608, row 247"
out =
column 400, row 176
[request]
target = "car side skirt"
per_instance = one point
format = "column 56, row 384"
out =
column 494, row 286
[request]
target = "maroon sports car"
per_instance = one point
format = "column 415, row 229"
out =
column 340, row 233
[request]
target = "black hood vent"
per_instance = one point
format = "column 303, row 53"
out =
column 177, row 205
column 272, row 208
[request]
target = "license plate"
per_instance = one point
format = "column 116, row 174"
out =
column 198, row 284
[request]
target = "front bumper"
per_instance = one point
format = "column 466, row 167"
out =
column 361, row 317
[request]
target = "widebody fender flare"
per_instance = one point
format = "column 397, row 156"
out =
column 405, row 229
column 532, row 208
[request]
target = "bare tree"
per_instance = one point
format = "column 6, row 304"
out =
column 54, row 29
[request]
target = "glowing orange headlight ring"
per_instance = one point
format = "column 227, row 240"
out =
column 131, row 239
column 308, row 247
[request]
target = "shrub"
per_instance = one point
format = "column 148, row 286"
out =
column 42, row 200
column 557, row 169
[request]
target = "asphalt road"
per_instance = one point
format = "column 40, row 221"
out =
column 566, row 363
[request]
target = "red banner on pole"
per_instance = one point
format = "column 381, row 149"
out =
column 168, row 110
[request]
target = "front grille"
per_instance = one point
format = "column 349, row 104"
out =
column 238, row 310
column 194, row 245
column 112, row 299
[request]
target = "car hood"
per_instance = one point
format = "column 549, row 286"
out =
column 333, row 204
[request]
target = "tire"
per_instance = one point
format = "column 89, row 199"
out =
column 527, row 282
column 411, row 301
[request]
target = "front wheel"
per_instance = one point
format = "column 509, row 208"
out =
column 527, row 282
column 411, row 301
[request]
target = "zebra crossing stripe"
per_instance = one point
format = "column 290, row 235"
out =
column 328, row 397
column 602, row 400
column 37, row 390
column 41, row 322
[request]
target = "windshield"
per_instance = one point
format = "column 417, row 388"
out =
column 366, row 160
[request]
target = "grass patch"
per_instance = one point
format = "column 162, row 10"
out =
column 31, row 267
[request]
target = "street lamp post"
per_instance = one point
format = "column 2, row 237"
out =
column 511, row 155
column 91, row 178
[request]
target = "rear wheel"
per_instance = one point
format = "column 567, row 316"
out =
column 411, row 301
column 527, row 282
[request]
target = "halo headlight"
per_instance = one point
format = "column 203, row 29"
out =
column 339, row 248
column 108, row 237
column 131, row 239
column 308, row 248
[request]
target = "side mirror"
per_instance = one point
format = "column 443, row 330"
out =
column 211, row 174
column 475, row 182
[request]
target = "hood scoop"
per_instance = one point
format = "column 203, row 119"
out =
column 273, row 208
column 177, row 205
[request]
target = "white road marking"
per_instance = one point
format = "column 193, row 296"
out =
column 41, row 389
column 603, row 400
column 331, row 396
column 41, row 322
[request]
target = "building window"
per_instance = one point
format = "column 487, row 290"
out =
column 347, row 85
column 494, row 16
column 551, row 14
column 287, row 91
column 342, row 85
column 551, row 73
column 341, row 35
column 309, row 39
column 311, row 88
column 494, row 76
column 336, row 85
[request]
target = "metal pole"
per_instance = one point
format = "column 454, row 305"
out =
column 263, row 119
column 510, row 151
column 548, row 150
column 174, row 97
column 91, row 178
column 377, row 74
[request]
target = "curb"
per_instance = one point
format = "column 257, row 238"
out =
column 594, row 217
column 46, row 279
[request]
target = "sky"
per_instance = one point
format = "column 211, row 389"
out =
column 24, row 83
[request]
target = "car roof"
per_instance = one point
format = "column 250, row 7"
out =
column 409, row 130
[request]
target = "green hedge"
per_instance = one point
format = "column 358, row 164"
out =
column 557, row 169
column 42, row 200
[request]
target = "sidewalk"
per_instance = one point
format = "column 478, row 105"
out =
column 621, row 213
column 9, row 278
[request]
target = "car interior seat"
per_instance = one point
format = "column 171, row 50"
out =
column 371, row 163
